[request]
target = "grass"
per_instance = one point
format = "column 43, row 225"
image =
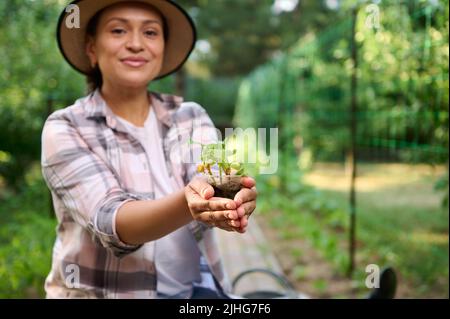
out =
column 400, row 222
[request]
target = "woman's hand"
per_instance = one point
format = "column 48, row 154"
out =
column 214, row 211
column 245, row 200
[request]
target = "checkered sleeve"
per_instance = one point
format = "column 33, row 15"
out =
column 86, row 186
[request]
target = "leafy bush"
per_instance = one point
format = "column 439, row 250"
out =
column 25, row 255
column 402, row 89
column 27, row 233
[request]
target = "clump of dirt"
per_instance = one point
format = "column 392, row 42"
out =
column 220, row 163
column 226, row 186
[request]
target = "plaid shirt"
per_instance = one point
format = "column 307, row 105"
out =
column 93, row 167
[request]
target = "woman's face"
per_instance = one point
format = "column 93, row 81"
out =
column 128, row 45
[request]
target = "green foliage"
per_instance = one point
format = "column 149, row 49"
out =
column 403, row 95
column 406, row 82
column 34, row 80
column 166, row 85
column 245, row 34
column 25, row 255
column 402, row 90
column 27, row 233
column 406, row 230
column 216, row 95
column 220, row 156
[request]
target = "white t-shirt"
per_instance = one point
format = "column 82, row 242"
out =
column 177, row 257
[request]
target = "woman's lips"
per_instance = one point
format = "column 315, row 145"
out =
column 134, row 62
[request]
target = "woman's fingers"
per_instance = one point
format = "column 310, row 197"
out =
column 217, row 203
column 246, row 195
column 249, row 208
column 231, row 225
column 213, row 217
column 242, row 229
column 244, row 212
column 227, row 228
column 200, row 186
column 248, row 182
column 244, row 222
column 204, row 205
column 226, row 214
column 199, row 204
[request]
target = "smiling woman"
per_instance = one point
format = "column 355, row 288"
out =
column 133, row 222
column 118, row 45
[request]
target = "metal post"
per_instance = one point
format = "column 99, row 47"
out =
column 353, row 151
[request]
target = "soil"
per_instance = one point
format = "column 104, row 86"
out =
column 224, row 194
column 228, row 186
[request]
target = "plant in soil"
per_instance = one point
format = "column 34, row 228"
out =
column 219, row 165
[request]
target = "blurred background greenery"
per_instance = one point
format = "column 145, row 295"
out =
column 272, row 63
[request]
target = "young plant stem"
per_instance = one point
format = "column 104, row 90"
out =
column 208, row 167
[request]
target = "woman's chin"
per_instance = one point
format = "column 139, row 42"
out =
column 135, row 82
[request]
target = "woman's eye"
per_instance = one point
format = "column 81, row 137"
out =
column 118, row 31
column 151, row 33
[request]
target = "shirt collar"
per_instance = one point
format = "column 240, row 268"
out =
column 163, row 105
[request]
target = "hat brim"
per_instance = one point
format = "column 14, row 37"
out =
column 179, row 45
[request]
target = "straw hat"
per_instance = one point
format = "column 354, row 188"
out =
column 179, row 45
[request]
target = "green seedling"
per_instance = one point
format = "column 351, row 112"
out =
column 218, row 163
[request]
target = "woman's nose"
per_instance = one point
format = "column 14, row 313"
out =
column 135, row 42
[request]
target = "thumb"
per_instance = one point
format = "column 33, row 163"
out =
column 207, row 192
column 201, row 187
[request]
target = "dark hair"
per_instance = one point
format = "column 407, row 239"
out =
column 94, row 80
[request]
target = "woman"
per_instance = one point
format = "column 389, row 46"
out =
column 134, row 222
